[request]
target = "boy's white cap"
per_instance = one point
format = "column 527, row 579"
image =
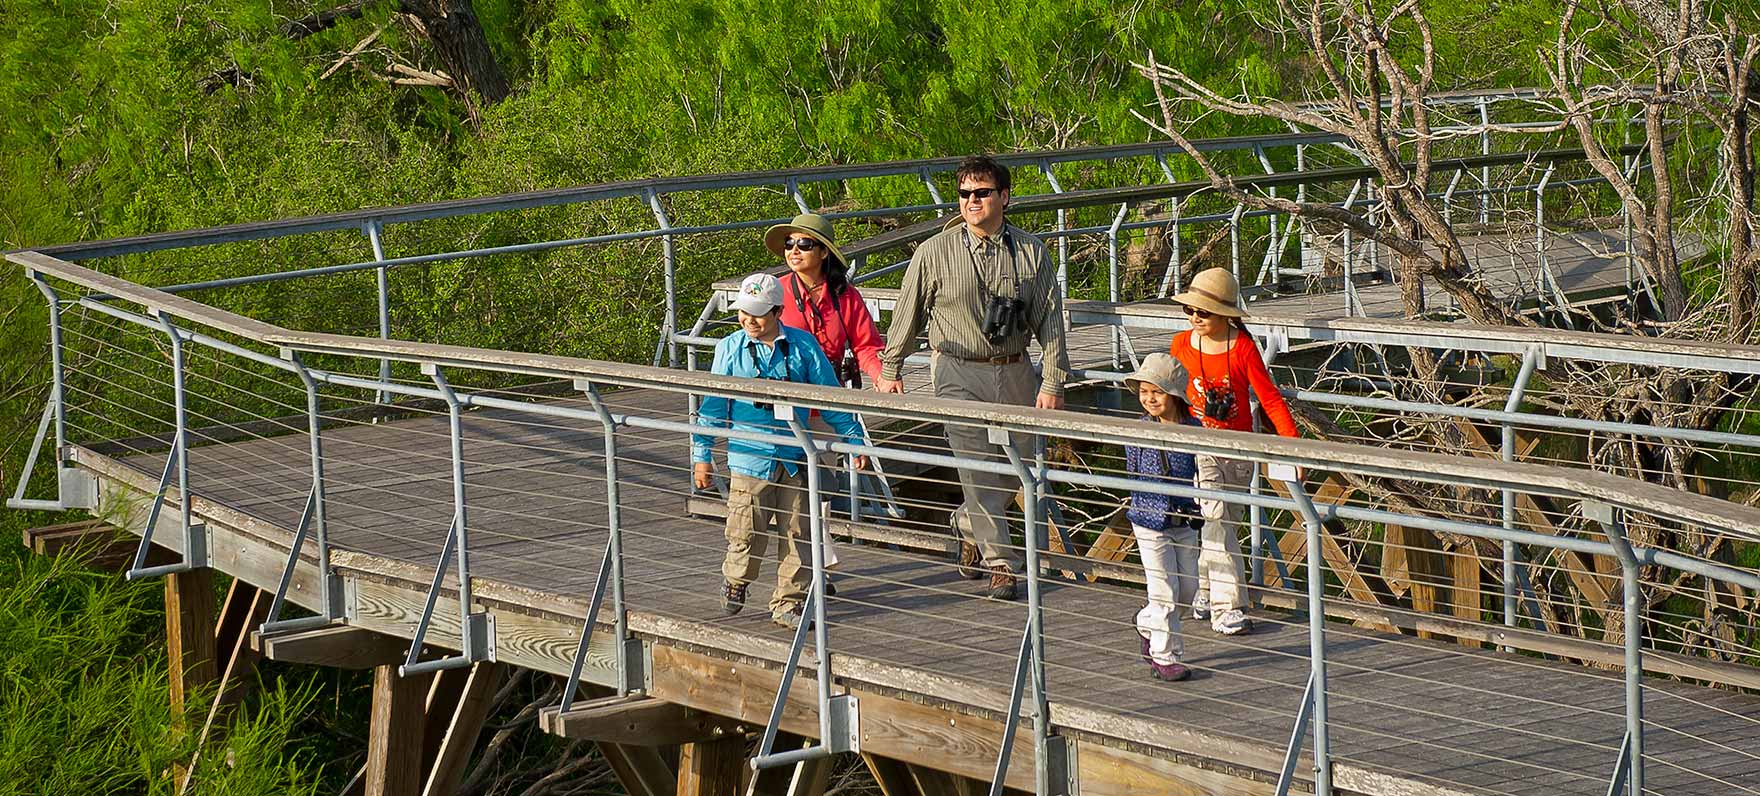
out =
column 759, row 294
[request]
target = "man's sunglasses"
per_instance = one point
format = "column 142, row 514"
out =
column 800, row 244
column 1197, row 313
column 980, row 193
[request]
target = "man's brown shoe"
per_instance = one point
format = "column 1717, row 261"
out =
column 970, row 562
column 1002, row 582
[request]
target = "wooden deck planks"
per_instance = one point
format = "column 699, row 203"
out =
column 537, row 520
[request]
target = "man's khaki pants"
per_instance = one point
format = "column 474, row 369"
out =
column 982, row 518
column 760, row 511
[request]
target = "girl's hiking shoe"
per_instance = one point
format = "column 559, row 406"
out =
column 1001, row 583
column 1171, row 672
column 1232, row 623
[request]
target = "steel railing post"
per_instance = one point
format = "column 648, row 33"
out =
column 1316, row 637
column 1485, row 171
column 195, row 536
column 1032, row 485
column 1062, row 225
column 1234, row 240
column 1611, row 521
column 1112, row 275
column 669, row 260
column 54, row 417
column 312, row 520
column 1530, row 361
column 476, row 630
column 934, row 193
column 1172, row 278
column 839, row 724
column 375, row 230
column 614, row 539
column 57, row 371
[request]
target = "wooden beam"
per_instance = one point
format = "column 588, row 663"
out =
column 98, row 544
column 394, row 734
column 893, row 777
column 636, row 720
column 189, row 633
column 337, row 646
column 458, row 736
column 640, row 769
column 710, row 768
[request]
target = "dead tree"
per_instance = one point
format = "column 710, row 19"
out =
column 1381, row 106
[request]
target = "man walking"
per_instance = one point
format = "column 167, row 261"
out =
column 981, row 288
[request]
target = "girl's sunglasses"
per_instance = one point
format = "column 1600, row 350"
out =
column 1197, row 313
column 800, row 244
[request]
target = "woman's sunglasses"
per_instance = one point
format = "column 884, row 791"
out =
column 800, row 244
column 1198, row 313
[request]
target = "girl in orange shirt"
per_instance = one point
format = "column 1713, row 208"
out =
column 1224, row 364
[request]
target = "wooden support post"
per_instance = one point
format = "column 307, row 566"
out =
column 893, row 777
column 1466, row 597
column 1421, row 563
column 641, row 770
column 189, row 633
column 710, row 768
column 394, row 739
column 458, row 734
column 245, row 607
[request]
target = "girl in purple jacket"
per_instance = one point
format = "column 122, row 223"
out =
column 1166, row 528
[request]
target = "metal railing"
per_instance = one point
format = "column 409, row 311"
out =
column 1615, row 503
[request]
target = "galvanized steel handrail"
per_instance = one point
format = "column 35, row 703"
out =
column 1412, row 465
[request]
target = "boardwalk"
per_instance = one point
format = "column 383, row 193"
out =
column 1440, row 717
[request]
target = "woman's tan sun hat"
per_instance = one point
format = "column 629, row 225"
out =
column 812, row 225
column 1214, row 291
column 1163, row 371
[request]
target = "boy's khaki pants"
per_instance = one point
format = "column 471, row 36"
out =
column 760, row 511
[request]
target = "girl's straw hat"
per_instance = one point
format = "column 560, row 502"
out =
column 1214, row 291
column 1163, row 371
column 812, row 225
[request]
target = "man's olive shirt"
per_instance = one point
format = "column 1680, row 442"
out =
column 941, row 293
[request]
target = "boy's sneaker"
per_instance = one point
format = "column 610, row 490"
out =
column 1232, row 623
column 970, row 562
column 1201, row 607
column 733, row 597
column 790, row 618
column 1171, row 672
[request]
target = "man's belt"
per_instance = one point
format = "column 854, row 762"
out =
column 1005, row 359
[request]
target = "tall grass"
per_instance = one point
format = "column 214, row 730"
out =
column 83, row 695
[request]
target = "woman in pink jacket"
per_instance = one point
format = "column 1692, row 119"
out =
column 818, row 298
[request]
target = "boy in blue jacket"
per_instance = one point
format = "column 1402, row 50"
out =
column 768, row 483
column 1166, row 528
